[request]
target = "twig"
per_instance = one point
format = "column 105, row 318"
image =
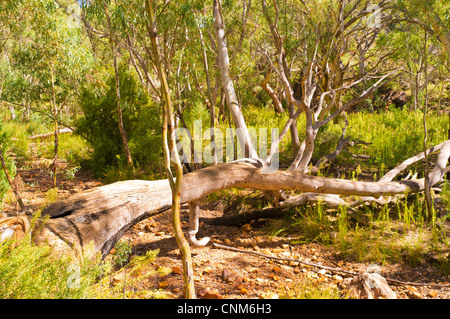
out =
column 285, row 259
column 332, row 269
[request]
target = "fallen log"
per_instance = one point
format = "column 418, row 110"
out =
column 50, row 134
column 93, row 221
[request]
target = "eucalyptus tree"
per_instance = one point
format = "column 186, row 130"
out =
column 169, row 144
column 329, row 37
column 431, row 15
column 107, row 17
column 315, row 55
column 47, row 60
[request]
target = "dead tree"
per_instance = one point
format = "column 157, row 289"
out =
column 93, row 221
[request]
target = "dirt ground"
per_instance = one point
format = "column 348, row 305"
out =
column 227, row 274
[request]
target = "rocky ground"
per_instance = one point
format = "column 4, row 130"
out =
column 221, row 273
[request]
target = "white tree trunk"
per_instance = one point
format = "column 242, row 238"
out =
column 227, row 83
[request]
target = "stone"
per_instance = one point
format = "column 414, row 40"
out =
column 163, row 284
column 413, row 292
column 433, row 293
column 226, row 275
column 322, row 271
column 207, row 294
column 208, row 270
column 238, row 282
column 370, row 286
column 276, row 269
column 253, row 270
column 269, row 295
column 176, row 270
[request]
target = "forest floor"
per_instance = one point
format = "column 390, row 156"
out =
column 228, row 274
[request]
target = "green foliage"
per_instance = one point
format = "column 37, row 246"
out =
column 394, row 135
column 122, row 253
column 34, row 272
column 99, row 125
column 5, row 145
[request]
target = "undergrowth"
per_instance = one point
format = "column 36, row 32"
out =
column 34, row 272
column 29, row 271
column 395, row 233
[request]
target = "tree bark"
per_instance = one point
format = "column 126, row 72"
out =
column 46, row 135
column 171, row 153
column 271, row 93
column 123, row 133
column 227, row 83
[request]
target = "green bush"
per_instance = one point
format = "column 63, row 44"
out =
column 34, row 272
column 99, row 125
column 5, row 145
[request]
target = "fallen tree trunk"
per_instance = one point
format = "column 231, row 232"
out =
column 93, row 221
column 50, row 134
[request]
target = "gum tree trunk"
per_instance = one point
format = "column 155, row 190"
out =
column 227, row 83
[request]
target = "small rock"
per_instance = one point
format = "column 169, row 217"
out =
column 163, row 284
column 211, row 295
column 176, row 270
column 370, row 286
column 269, row 295
column 141, row 233
column 276, row 269
column 117, row 278
column 338, row 278
column 322, row 271
column 413, row 292
column 274, row 277
column 226, row 275
column 253, row 270
column 244, row 291
column 238, row 282
column 433, row 293
column 207, row 270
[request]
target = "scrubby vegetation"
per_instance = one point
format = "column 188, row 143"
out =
column 96, row 75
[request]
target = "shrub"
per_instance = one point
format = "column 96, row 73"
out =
column 34, row 272
column 99, row 125
column 5, row 144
